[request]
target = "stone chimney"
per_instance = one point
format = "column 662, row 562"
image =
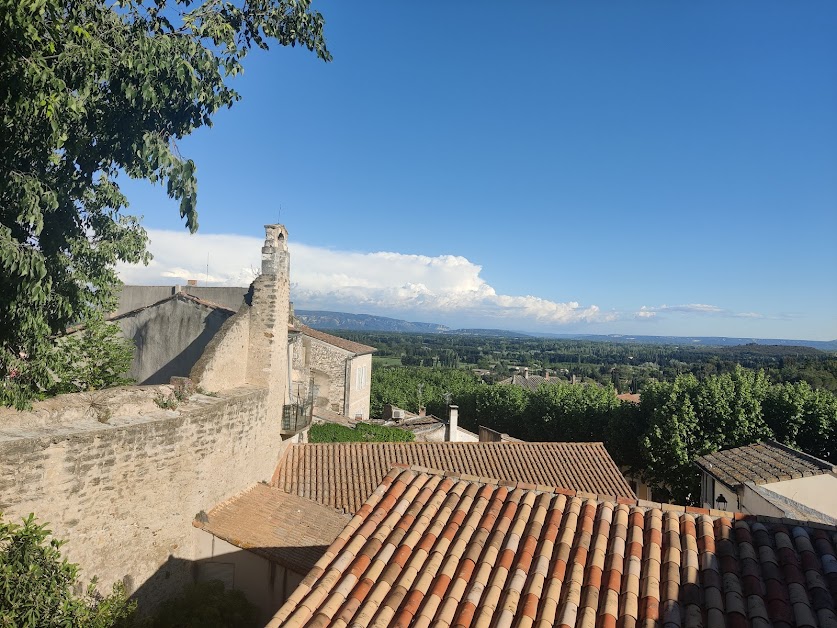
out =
column 546, row 374
column 267, row 362
column 525, row 372
column 452, row 429
column 422, row 411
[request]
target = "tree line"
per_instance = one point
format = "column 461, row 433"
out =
column 628, row 366
column 658, row 439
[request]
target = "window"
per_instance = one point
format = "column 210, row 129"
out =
column 360, row 378
column 708, row 490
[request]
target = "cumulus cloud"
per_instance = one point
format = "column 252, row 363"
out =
column 389, row 283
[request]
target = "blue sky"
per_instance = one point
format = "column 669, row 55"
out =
column 608, row 167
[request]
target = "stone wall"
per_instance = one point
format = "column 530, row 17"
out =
column 223, row 364
column 170, row 338
column 124, row 492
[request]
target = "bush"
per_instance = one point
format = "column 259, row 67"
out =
column 36, row 584
column 361, row 433
column 206, row 605
column 93, row 358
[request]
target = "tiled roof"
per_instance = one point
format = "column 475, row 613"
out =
column 532, row 382
column 285, row 529
column 762, row 463
column 341, row 343
column 428, row 550
column 343, row 475
column 630, row 397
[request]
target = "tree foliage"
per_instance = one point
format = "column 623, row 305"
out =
column 360, row 433
column 675, row 423
column 90, row 91
column 689, row 418
column 36, row 584
column 408, row 388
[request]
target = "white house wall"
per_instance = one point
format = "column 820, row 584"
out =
column 818, row 492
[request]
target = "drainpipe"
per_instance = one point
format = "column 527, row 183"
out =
column 290, row 368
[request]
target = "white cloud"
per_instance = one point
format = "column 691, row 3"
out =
column 425, row 288
column 693, row 308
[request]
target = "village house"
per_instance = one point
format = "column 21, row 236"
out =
column 286, row 527
column 335, row 372
column 158, row 495
column 329, row 376
column 770, row 478
column 445, row 549
column 426, row 427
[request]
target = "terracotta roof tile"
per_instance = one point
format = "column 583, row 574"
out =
column 762, row 463
column 286, row 529
column 487, row 555
column 343, row 475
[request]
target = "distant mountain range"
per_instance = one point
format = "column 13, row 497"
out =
column 364, row 322
column 368, row 322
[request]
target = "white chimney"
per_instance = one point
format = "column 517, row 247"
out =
column 525, row 372
column 452, row 430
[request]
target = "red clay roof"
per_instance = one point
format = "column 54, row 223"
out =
column 428, row 550
column 344, row 475
column 286, row 529
column 631, row 397
column 341, row 343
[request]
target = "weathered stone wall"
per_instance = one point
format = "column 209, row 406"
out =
column 124, row 493
column 170, row 338
column 223, row 364
column 267, row 360
column 328, row 365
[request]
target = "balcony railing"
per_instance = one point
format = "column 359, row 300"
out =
column 296, row 417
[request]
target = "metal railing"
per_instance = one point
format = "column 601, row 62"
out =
column 296, row 417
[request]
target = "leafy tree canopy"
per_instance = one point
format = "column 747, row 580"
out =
column 89, row 91
column 36, row 584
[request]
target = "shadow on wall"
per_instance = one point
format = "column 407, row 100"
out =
column 266, row 585
column 154, row 341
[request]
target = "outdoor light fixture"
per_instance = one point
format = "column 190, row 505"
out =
column 722, row 502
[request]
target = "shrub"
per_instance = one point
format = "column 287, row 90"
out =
column 206, row 605
column 362, row 432
column 36, row 584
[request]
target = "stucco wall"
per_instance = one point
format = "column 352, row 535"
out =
column 818, row 492
column 359, row 387
column 170, row 338
column 753, row 503
column 264, row 583
column 124, row 493
column 223, row 364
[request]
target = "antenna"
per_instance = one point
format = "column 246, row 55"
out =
column 447, row 397
column 206, row 276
